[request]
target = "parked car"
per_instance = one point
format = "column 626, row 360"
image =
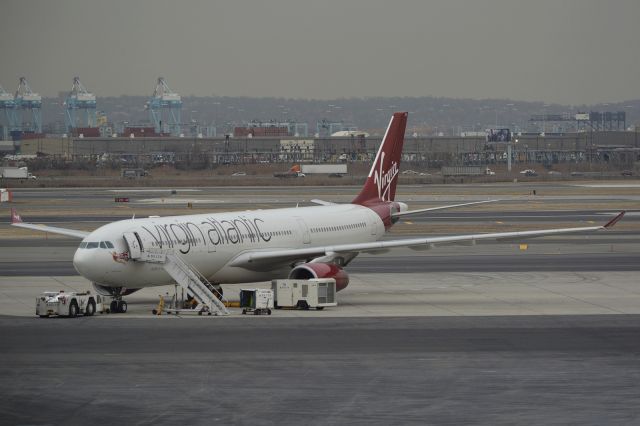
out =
column 627, row 173
column 529, row 172
column 413, row 172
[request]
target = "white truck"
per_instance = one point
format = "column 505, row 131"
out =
column 69, row 304
column 16, row 173
column 467, row 171
column 328, row 169
column 304, row 294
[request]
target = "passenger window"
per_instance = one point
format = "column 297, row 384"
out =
column 109, row 245
column 103, row 245
column 92, row 245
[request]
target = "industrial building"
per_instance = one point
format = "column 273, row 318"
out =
column 619, row 149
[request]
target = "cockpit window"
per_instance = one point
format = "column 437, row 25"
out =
column 109, row 245
column 93, row 245
column 102, row 244
column 83, row 245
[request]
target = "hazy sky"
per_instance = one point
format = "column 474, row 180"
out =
column 564, row 51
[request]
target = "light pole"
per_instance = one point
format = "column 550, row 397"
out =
column 509, row 149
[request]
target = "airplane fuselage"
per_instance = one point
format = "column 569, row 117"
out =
column 209, row 242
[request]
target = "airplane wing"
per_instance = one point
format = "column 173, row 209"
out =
column 409, row 212
column 17, row 221
column 257, row 259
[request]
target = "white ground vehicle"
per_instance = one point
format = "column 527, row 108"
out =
column 68, row 304
column 256, row 300
column 16, row 173
column 529, row 172
column 304, row 294
column 324, row 169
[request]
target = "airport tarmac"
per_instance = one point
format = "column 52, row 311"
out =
column 398, row 294
column 491, row 334
column 546, row 370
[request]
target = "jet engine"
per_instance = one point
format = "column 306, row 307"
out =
column 307, row 271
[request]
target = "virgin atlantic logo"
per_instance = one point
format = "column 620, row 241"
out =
column 383, row 179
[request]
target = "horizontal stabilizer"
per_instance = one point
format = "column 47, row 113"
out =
column 322, row 202
column 431, row 209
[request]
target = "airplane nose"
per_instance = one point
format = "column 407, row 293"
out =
column 79, row 261
column 85, row 263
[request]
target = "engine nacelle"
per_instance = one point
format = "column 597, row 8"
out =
column 307, row 271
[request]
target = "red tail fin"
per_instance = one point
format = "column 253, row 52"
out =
column 383, row 177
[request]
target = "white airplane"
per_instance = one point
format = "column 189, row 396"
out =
column 261, row 245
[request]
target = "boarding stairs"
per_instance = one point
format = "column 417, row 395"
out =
column 197, row 285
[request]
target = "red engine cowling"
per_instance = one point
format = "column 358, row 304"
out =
column 308, row 271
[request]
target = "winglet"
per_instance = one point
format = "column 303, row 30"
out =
column 614, row 220
column 15, row 217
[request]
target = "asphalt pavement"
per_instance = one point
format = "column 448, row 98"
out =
column 269, row 371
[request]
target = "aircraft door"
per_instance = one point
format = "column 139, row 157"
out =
column 135, row 245
column 306, row 236
column 373, row 223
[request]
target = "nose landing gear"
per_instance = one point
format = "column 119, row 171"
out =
column 118, row 306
